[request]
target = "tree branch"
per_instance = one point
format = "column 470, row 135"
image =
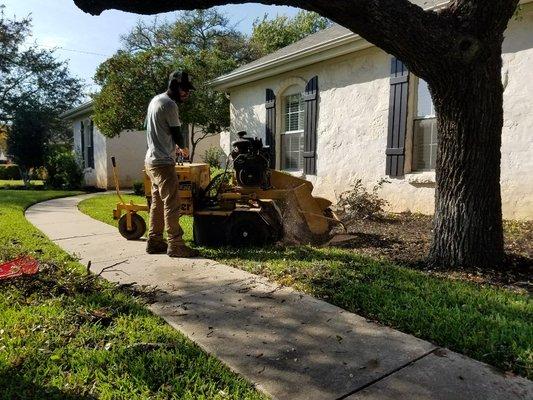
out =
column 399, row 27
column 481, row 19
column 455, row 36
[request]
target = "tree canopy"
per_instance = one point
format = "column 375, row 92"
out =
column 269, row 35
column 28, row 138
column 35, row 88
column 29, row 74
column 202, row 42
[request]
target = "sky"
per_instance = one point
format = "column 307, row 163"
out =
column 85, row 41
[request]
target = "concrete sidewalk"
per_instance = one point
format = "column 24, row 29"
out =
column 292, row 346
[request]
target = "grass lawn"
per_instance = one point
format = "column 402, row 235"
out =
column 487, row 323
column 12, row 184
column 64, row 335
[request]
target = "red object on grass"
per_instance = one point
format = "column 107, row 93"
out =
column 24, row 265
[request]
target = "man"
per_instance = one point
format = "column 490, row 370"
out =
column 164, row 134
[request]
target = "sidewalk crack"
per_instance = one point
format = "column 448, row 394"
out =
column 80, row 236
column 387, row 374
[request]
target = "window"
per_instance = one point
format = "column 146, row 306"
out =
column 424, row 130
column 292, row 135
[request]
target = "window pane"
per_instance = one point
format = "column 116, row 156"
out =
column 424, row 144
column 291, row 151
column 425, row 104
column 433, row 154
column 294, row 112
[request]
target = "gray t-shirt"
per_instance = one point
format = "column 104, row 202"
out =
column 162, row 114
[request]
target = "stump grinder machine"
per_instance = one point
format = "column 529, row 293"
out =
column 253, row 205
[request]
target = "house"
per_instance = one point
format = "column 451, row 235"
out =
column 95, row 150
column 3, row 157
column 342, row 84
column 129, row 148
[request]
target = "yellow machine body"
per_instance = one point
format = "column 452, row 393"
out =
column 286, row 191
column 191, row 179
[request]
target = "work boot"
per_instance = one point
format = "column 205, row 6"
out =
column 156, row 246
column 182, row 251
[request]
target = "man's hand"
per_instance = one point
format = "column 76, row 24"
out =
column 183, row 152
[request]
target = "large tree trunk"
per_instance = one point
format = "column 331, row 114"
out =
column 468, row 218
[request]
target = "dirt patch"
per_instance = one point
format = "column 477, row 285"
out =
column 405, row 239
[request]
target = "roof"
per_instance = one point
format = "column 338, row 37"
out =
column 83, row 109
column 334, row 32
column 327, row 39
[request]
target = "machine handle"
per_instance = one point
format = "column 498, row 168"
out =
column 115, row 178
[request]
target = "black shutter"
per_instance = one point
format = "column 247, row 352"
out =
column 399, row 88
column 91, row 149
column 82, row 130
column 311, row 105
column 270, row 131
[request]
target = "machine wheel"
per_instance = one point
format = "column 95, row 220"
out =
column 138, row 227
column 247, row 229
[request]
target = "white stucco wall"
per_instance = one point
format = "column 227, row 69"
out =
column 353, row 117
column 517, row 138
column 129, row 149
column 212, row 141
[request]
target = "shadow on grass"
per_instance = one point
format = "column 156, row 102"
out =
column 16, row 387
column 93, row 336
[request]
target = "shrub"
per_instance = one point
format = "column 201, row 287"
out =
column 358, row 202
column 138, row 188
column 213, row 157
column 38, row 173
column 63, row 170
column 9, row 172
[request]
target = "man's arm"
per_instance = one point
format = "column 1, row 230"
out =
column 178, row 136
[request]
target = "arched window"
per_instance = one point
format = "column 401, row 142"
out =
column 292, row 129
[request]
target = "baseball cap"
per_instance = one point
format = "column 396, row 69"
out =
column 182, row 78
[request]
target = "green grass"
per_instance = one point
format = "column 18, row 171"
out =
column 489, row 324
column 12, row 184
column 66, row 336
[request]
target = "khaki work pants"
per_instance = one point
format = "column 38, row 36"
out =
column 165, row 211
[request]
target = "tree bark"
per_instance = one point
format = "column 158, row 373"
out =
column 468, row 217
column 24, row 174
column 193, row 142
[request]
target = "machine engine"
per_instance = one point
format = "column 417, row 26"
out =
column 251, row 161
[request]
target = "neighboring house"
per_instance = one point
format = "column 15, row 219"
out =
column 95, row 151
column 347, row 90
column 129, row 148
column 3, row 157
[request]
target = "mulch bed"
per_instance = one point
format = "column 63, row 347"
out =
column 405, row 239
